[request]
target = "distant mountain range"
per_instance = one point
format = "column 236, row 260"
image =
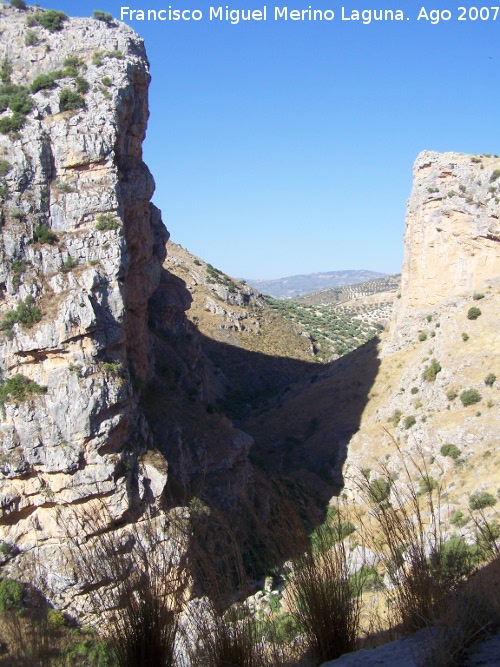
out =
column 292, row 286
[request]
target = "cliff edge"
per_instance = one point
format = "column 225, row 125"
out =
column 94, row 341
column 436, row 390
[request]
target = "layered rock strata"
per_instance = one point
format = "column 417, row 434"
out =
column 86, row 308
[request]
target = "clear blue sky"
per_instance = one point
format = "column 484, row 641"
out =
column 287, row 147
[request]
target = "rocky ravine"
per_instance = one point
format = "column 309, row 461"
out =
column 88, row 314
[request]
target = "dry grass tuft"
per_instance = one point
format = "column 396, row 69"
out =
column 136, row 582
column 322, row 596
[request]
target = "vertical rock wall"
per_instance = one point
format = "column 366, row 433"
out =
column 77, row 175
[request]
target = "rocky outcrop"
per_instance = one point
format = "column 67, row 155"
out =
column 90, row 319
column 436, row 349
column 452, row 238
column 82, row 247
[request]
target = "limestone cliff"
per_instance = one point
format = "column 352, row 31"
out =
column 436, row 348
column 452, row 238
column 93, row 327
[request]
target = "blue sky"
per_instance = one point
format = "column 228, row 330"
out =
column 287, row 147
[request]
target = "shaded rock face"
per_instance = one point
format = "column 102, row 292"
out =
column 81, row 250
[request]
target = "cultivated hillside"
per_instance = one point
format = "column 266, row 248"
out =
column 386, row 287
column 293, row 286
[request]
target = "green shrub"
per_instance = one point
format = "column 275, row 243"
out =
column 43, row 82
column 31, row 38
column 409, row 422
column 396, row 417
column 26, row 314
column 470, row 396
column 458, row 519
column 11, row 595
column 12, row 123
column 42, row 234
column 5, row 70
column 51, row 20
column 102, row 16
column 70, row 99
column 490, row 379
column 414, row 390
column 18, row 267
column 106, row 221
column 115, row 54
column 495, row 175
column 21, row 103
column 449, row 449
column 82, row 85
column 427, row 484
column 18, row 4
column 17, row 98
column 422, row 336
column 477, row 296
column 379, row 490
column 481, row 499
column 112, row 368
column 68, row 72
column 5, row 167
column 19, row 388
column 97, row 58
column 431, row 371
column 106, row 81
column 451, row 394
column 105, row 92
column 73, row 62
column 69, row 264
column 473, row 313
column 55, row 619
column 465, row 336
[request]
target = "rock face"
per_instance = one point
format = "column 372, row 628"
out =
column 435, row 350
column 87, row 310
column 452, row 239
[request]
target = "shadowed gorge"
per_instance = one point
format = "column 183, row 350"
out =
column 301, row 415
column 176, row 446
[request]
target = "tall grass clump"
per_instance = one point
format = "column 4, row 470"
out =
column 323, row 597
column 225, row 638
column 137, row 580
column 408, row 531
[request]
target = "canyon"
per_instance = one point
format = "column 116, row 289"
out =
column 143, row 378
